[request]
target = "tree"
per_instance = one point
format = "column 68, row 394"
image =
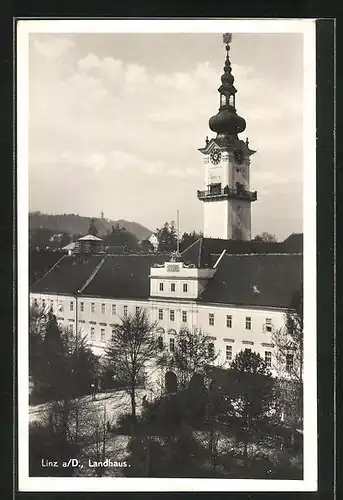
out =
column 92, row 227
column 167, row 237
column 193, row 352
column 251, row 393
column 119, row 236
column 188, row 239
column 132, row 347
column 266, row 237
column 289, row 360
column 147, row 246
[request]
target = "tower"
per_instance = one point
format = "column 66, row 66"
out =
column 226, row 197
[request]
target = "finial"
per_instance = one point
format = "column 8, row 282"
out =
column 227, row 38
column 206, row 140
column 247, row 141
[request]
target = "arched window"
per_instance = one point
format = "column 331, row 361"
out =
column 223, row 99
column 232, row 100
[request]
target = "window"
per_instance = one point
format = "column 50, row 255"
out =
column 211, row 349
column 248, row 323
column 113, row 334
column 137, row 309
column 171, row 345
column 172, row 315
column 211, row 319
column 92, row 333
column 160, row 314
column 71, row 328
column 185, row 287
column 289, row 362
column 172, row 287
column 114, row 309
column 43, row 303
column 102, row 334
column 71, row 306
column 268, row 358
column 160, row 342
column 103, row 308
column 228, row 352
column 184, row 316
column 229, row 321
column 92, row 307
column 35, row 302
column 161, row 287
column 268, row 325
column 125, row 311
column 82, row 306
column 51, row 305
column 231, row 100
column 223, row 99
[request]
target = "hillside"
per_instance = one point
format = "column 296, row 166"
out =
column 75, row 224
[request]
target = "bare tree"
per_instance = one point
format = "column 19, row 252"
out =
column 132, row 347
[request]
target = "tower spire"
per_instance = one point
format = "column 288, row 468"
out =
column 226, row 122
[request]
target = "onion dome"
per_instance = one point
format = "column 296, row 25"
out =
column 227, row 122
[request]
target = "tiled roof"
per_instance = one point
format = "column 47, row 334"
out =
column 67, row 276
column 124, row 276
column 255, row 280
column 40, row 261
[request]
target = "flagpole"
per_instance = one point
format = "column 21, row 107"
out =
column 178, row 231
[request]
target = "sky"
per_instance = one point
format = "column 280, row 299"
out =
column 116, row 120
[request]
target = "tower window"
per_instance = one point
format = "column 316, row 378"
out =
column 223, row 99
column 231, row 100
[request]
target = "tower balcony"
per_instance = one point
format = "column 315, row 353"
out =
column 217, row 193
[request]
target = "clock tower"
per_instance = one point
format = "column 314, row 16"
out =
column 226, row 195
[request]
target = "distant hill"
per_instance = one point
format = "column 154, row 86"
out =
column 76, row 224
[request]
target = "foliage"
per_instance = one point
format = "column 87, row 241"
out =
column 192, row 354
column 147, row 246
column 131, row 347
column 266, row 237
column 119, row 236
column 92, row 227
column 167, row 237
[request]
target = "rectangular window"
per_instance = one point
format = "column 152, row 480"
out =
column 92, row 333
column 268, row 358
column 82, row 306
column 248, row 323
column 171, row 345
column 161, row 287
column 172, row 287
column 289, row 362
column 211, row 319
column 43, row 303
column 211, row 349
column 137, row 309
column 92, row 307
column 35, row 302
column 228, row 352
column 125, row 311
column 229, row 321
column 268, row 324
column 160, row 314
column 185, row 287
column 103, row 308
column 184, row 316
column 71, row 306
column 113, row 333
column 102, row 336
column 114, row 309
column 172, row 315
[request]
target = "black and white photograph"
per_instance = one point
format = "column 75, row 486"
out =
column 166, row 255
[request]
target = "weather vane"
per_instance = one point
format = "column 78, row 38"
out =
column 227, row 38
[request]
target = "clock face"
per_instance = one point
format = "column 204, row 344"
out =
column 215, row 156
column 239, row 157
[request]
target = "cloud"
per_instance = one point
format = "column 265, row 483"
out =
column 52, row 47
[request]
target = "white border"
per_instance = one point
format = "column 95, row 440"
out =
column 305, row 27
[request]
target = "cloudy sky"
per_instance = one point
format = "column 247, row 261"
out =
column 116, row 121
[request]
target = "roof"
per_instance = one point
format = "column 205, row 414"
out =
column 124, row 276
column 70, row 246
column 202, row 251
column 89, row 237
column 294, row 243
column 68, row 275
column 40, row 261
column 255, row 280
